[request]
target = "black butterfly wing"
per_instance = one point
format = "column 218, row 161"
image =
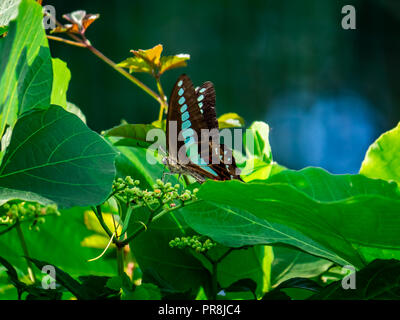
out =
column 183, row 110
column 193, row 110
column 206, row 99
column 227, row 168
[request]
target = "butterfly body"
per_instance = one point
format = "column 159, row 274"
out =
column 193, row 134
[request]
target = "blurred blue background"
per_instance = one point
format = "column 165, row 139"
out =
column 327, row 93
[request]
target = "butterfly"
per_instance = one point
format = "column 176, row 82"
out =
column 193, row 134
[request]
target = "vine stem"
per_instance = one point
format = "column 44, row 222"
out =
column 26, row 252
column 70, row 42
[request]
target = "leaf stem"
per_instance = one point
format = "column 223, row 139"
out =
column 99, row 215
column 72, row 43
column 163, row 104
column 26, row 252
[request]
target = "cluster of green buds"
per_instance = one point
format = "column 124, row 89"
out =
column 193, row 242
column 21, row 211
column 162, row 193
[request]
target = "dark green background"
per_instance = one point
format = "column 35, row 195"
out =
column 256, row 53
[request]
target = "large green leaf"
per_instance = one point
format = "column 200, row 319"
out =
column 382, row 160
column 25, row 65
column 132, row 135
column 351, row 217
column 54, row 154
column 291, row 263
column 235, row 227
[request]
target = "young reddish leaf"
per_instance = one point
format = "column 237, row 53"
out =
column 80, row 21
column 172, row 62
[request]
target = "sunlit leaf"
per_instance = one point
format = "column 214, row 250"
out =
column 135, row 64
column 8, row 11
column 26, row 70
column 382, row 160
column 61, row 78
column 152, row 56
column 256, row 141
column 230, row 120
column 150, row 61
column 172, row 62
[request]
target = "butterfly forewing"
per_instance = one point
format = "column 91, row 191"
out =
column 185, row 113
column 193, row 111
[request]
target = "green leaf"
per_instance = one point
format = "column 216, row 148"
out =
column 61, row 78
column 256, row 169
column 296, row 289
column 12, row 194
column 382, row 160
column 26, row 67
column 256, row 141
column 338, row 217
column 8, row 11
column 243, row 285
column 65, row 279
column 236, row 228
column 252, row 263
column 54, row 154
column 378, row 280
column 291, row 263
column 230, row 120
column 135, row 64
column 133, row 135
column 146, row 291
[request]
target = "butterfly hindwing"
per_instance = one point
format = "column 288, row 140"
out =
column 206, row 103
